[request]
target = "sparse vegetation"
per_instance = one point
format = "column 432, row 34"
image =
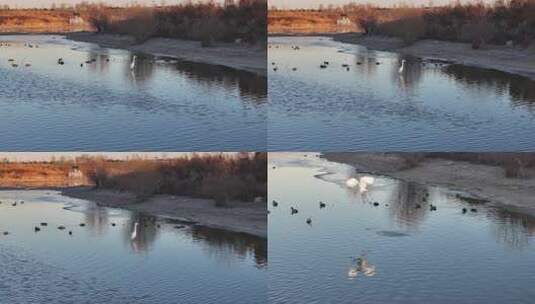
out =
column 217, row 176
column 203, row 21
column 503, row 22
column 220, row 177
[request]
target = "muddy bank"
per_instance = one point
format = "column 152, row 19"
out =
column 481, row 181
column 237, row 56
column 244, row 217
column 503, row 58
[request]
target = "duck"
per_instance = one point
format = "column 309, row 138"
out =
column 293, row 210
column 376, row 204
column 44, row 224
column 322, row 205
column 465, row 210
column 36, row 229
column 473, row 210
column 61, row 227
column 309, row 220
column 432, row 207
column 82, row 225
column 275, row 203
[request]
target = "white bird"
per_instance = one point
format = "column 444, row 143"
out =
column 352, row 182
column 134, row 233
column 402, row 68
column 133, row 64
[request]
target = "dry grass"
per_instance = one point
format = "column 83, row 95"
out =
column 38, row 21
column 220, row 177
column 203, row 21
column 503, row 22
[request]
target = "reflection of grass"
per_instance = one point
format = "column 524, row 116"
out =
column 220, row 177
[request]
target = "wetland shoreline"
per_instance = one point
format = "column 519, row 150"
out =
column 241, row 217
column 482, row 181
column 232, row 55
column 506, row 59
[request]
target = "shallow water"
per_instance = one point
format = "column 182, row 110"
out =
column 430, row 106
column 355, row 252
column 161, row 105
column 101, row 263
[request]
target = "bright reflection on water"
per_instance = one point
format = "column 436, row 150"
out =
column 101, row 263
column 429, row 106
column 162, row 104
column 355, row 252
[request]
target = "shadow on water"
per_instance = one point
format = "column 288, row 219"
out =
column 410, row 204
column 520, row 89
column 238, row 243
column 141, row 231
column 512, row 228
column 249, row 84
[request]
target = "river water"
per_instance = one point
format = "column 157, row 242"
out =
column 396, row 252
column 103, row 262
column 161, row 105
column 370, row 106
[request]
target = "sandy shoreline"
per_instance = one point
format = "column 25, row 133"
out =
column 481, row 181
column 241, row 57
column 503, row 58
column 240, row 217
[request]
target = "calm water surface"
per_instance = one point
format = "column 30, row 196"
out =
column 430, row 106
column 101, row 263
column 161, row 105
column 355, row 252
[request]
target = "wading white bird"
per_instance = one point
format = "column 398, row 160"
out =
column 133, row 64
column 402, row 68
column 134, row 233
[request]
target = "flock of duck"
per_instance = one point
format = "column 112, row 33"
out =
column 42, row 225
column 60, row 61
column 347, row 67
column 363, row 183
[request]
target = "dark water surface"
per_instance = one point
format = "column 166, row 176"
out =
column 429, row 106
column 101, row 263
column 161, row 105
column 355, row 252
